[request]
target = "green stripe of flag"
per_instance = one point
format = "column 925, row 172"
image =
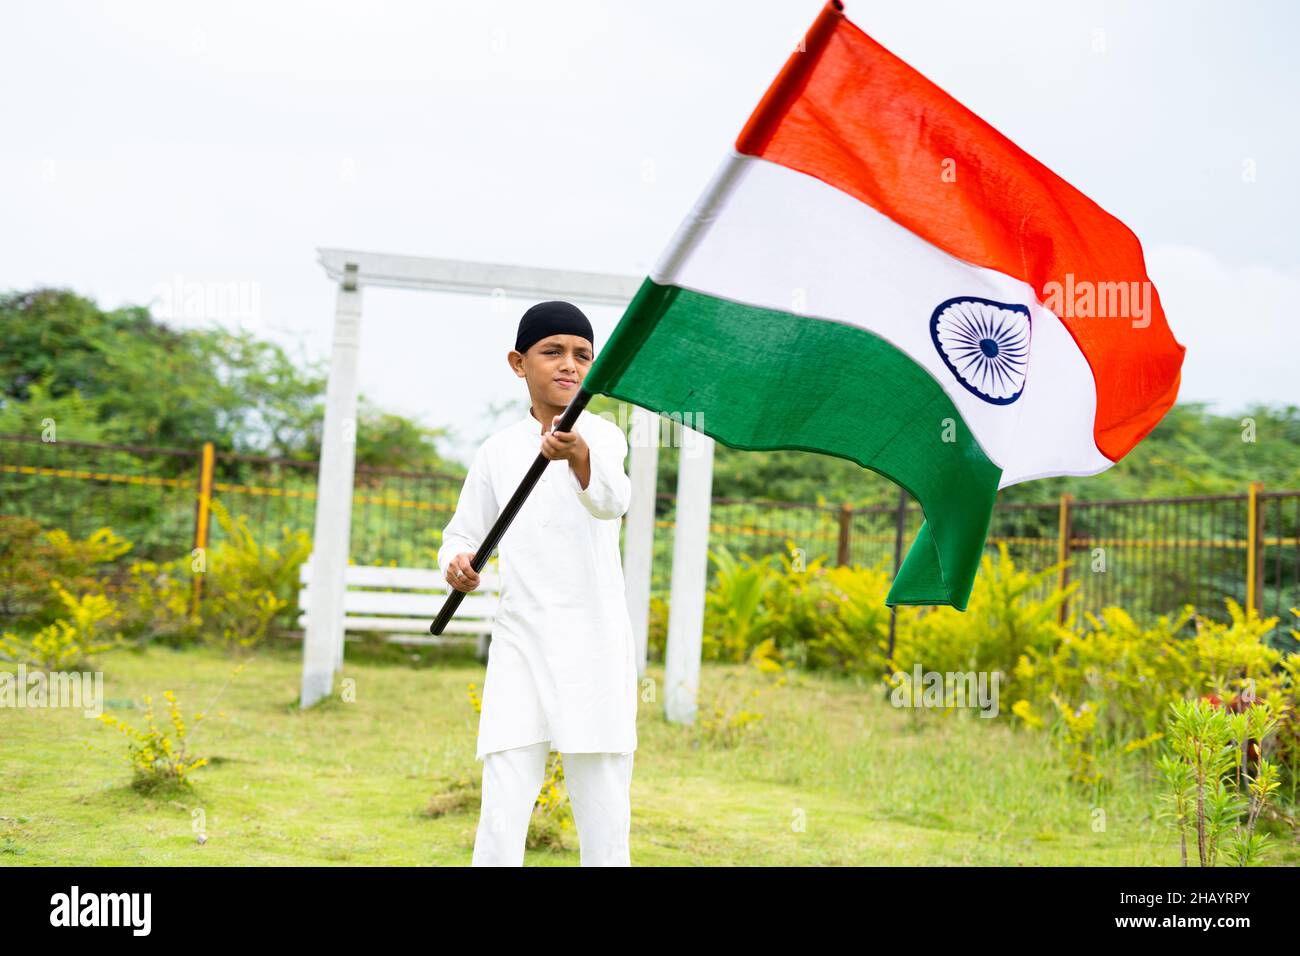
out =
column 762, row 379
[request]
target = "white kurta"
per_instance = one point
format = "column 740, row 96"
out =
column 561, row 664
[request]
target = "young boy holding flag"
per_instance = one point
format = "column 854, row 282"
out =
column 561, row 671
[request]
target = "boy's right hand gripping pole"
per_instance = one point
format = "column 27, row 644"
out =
column 508, row 513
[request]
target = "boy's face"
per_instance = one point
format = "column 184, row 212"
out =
column 554, row 367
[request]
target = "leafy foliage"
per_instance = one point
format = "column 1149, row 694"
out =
column 247, row 583
column 159, row 757
column 1207, row 743
column 123, row 376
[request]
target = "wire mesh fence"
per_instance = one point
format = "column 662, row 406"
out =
column 1150, row 556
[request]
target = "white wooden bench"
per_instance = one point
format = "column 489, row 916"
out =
column 402, row 602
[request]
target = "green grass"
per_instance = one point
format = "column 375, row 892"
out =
column 831, row 774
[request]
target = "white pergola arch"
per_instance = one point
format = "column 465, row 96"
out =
column 353, row 270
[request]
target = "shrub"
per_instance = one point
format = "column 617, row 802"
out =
column 1130, row 675
column 246, row 584
column 32, row 559
column 1135, row 671
column 68, row 643
column 821, row 617
column 159, row 757
column 156, row 603
column 1206, row 743
column 552, row 816
column 1004, row 621
column 1078, row 729
column 733, row 609
column 25, row 575
column 80, row 560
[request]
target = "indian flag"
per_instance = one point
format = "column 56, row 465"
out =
column 876, row 273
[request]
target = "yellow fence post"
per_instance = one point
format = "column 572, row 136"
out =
column 201, row 519
column 1063, row 553
column 1252, row 545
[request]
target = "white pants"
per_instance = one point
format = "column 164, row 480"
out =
column 598, row 785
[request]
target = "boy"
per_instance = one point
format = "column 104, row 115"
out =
column 561, row 673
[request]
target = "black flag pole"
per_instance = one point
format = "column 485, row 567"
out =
column 508, row 513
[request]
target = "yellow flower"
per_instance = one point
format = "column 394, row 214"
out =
column 1025, row 712
column 1143, row 743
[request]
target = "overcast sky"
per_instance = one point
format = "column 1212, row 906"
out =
column 152, row 145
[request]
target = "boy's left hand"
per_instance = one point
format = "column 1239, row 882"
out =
column 569, row 446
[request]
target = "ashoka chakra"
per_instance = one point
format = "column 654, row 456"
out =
column 985, row 344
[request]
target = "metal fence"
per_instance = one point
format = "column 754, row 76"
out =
column 152, row 497
column 1150, row 556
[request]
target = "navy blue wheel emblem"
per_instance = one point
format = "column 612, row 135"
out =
column 985, row 344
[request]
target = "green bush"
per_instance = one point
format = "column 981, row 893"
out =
column 1130, row 675
column 1003, row 621
column 811, row 615
column 87, row 628
column 157, row 603
column 246, row 584
column 733, row 607
column 1102, row 689
column 32, row 559
column 1208, row 746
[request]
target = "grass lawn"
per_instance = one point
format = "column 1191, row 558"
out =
column 832, row 774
